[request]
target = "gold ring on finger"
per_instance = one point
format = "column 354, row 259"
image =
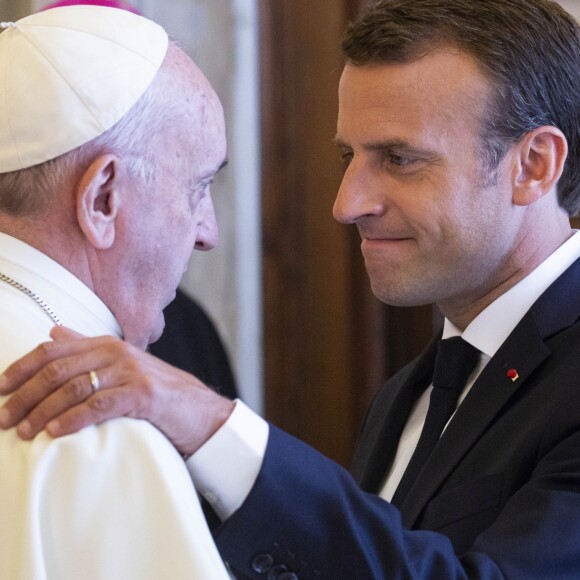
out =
column 95, row 383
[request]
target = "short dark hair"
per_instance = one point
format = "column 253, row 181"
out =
column 528, row 49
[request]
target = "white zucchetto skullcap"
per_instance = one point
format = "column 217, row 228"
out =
column 69, row 74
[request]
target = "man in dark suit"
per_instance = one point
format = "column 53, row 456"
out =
column 459, row 124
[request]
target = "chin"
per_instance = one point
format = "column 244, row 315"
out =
column 170, row 300
column 143, row 337
column 157, row 331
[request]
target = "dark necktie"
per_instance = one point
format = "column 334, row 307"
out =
column 454, row 363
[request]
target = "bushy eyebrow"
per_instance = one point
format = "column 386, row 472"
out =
column 398, row 146
column 212, row 174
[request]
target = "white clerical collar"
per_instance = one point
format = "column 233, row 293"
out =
column 492, row 326
column 72, row 301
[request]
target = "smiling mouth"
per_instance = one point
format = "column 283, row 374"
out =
column 383, row 246
column 374, row 241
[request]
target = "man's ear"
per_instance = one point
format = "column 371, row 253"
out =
column 97, row 201
column 540, row 158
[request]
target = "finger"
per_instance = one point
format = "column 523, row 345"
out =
column 64, row 333
column 33, row 393
column 70, row 394
column 102, row 406
column 31, row 364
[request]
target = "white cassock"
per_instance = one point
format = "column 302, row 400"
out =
column 112, row 502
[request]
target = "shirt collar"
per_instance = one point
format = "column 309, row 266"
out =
column 488, row 331
column 76, row 305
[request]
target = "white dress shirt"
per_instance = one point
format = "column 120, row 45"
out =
column 486, row 332
column 112, row 502
column 245, row 434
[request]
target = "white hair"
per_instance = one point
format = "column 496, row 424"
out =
column 135, row 138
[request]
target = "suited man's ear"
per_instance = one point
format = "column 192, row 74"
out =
column 540, row 157
column 98, row 201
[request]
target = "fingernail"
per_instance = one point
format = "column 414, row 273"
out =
column 24, row 428
column 4, row 418
column 53, row 427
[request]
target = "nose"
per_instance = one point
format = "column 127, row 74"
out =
column 355, row 197
column 207, row 230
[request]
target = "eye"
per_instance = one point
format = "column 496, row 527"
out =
column 400, row 160
column 402, row 163
column 346, row 156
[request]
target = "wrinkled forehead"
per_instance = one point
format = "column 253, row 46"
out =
column 193, row 131
column 443, row 78
column 430, row 101
column 195, row 102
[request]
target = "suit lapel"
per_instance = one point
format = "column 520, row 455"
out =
column 383, row 426
column 524, row 350
column 489, row 394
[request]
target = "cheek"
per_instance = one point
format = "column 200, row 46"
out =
column 184, row 237
column 453, row 210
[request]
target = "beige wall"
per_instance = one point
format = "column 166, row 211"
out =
column 14, row 9
column 573, row 6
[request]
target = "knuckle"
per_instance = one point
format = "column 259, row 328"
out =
column 145, row 396
column 103, row 405
column 53, row 374
column 126, row 352
column 77, row 389
column 17, row 402
column 46, row 349
column 133, row 370
column 31, row 363
column 17, row 368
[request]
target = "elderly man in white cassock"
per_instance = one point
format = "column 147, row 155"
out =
column 110, row 137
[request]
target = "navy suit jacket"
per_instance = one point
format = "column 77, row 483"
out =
column 498, row 498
